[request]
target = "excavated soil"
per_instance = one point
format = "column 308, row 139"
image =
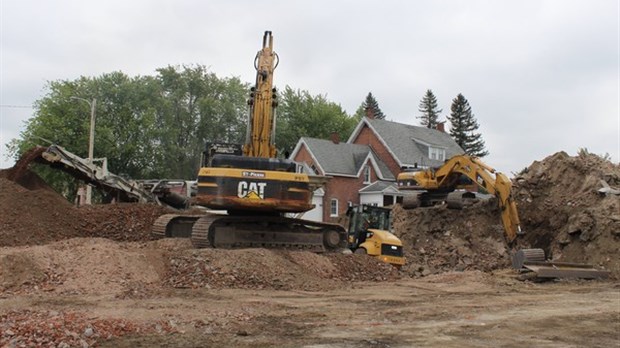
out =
column 560, row 209
column 50, row 245
column 92, row 275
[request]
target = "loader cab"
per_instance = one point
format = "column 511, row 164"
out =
column 369, row 233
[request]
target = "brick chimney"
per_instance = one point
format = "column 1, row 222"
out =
column 370, row 113
column 441, row 127
column 335, row 138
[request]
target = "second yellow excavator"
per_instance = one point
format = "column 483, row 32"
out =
column 253, row 186
column 430, row 186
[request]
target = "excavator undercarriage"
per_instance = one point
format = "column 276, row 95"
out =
column 242, row 231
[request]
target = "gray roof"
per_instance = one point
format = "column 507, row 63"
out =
column 409, row 144
column 343, row 158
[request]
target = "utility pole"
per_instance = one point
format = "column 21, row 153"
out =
column 91, row 142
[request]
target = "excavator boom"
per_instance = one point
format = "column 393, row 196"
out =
column 439, row 184
column 261, row 124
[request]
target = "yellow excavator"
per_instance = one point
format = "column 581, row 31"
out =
column 445, row 184
column 253, row 186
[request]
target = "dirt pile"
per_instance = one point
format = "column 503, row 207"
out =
column 33, row 213
column 47, row 249
column 560, row 211
column 438, row 239
column 78, row 266
column 563, row 213
column 272, row 269
column 102, row 266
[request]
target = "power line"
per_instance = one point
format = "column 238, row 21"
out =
column 16, row 106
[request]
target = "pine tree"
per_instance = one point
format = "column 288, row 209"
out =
column 428, row 108
column 463, row 128
column 370, row 108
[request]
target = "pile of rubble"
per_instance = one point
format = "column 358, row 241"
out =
column 567, row 206
column 28, row 328
column 272, row 269
column 438, row 239
column 35, row 214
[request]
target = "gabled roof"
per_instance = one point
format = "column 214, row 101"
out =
column 342, row 159
column 381, row 187
column 409, row 144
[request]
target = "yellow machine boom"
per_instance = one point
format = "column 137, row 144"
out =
column 261, row 123
column 439, row 184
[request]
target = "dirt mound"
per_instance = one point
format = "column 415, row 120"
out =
column 560, row 211
column 50, row 257
column 439, row 239
column 563, row 213
column 102, row 266
column 273, row 269
column 35, row 214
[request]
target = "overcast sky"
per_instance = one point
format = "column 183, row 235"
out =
column 540, row 76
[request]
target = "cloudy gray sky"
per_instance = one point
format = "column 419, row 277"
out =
column 541, row 76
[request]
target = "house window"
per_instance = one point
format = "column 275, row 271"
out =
column 334, row 208
column 367, row 175
column 314, row 168
column 436, row 153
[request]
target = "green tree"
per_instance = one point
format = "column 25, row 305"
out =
column 301, row 114
column 464, row 126
column 196, row 107
column 146, row 126
column 428, row 107
column 370, row 106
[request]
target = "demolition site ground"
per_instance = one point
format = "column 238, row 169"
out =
column 92, row 276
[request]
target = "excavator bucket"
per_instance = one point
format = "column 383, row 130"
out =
column 533, row 260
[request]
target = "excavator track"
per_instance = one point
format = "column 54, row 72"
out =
column 200, row 231
column 173, row 225
column 231, row 232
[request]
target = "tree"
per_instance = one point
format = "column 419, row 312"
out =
column 157, row 126
column 428, row 108
column 463, row 128
column 301, row 114
column 369, row 108
column 146, row 126
column 196, row 107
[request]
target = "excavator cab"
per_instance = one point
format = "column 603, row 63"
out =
column 369, row 233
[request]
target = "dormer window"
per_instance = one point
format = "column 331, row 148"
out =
column 435, row 153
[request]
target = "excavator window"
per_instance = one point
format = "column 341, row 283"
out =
column 271, row 164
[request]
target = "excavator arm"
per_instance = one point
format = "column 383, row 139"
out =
column 261, row 124
column 446, row 177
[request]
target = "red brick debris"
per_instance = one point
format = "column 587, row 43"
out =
column 26, row 328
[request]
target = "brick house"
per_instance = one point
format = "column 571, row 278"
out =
column 363, row 170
